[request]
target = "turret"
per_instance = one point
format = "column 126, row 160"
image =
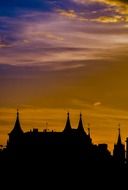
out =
column 119, row 150
column 68, row 128
column 119, row 141
column 80, row 125
column 17, row 133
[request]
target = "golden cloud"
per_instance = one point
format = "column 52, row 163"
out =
column 72, row 14
column 69, row 13
column 119, row 7
column 97, row 104
column 108, row 19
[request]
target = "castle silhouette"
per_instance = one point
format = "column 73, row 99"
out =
column 55, row 153
column 70, row 144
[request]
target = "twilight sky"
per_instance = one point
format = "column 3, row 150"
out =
column 59, row 56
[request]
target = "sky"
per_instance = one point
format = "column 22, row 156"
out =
column 69, row 55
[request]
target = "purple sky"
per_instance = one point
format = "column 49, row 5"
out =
column 68, row 54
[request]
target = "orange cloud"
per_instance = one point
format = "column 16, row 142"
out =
column 72, row 14
column 68, row 13
column 109, row 19
column 119, row 8
column 97, row 104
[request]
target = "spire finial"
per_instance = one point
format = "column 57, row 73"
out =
column 68, row 114
column 17, row 112
column 119, row 136
column 80, row 115
column 119, row 128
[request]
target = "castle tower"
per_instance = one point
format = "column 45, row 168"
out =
column 119, row 141
column 82, row 133
column 119, row 150
column 17, row 133
column 80, row 125
column 68, row 128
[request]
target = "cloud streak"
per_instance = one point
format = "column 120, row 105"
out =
column 42, row 38
column 62, row 37
column 69, row 54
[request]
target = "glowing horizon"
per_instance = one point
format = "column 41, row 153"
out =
column 102, row 125
column 65, row 55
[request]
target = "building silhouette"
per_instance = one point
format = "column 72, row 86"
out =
column 16, row 135
column 72, row 144
column 119, row 150
column 70, row 154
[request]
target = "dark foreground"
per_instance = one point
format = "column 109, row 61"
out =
column 61, row 174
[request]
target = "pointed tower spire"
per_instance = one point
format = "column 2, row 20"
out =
column 119, row 149
column 17, row 130
column 68, row 124
column 17, row 113
column 80, row 125
column 119, row 141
